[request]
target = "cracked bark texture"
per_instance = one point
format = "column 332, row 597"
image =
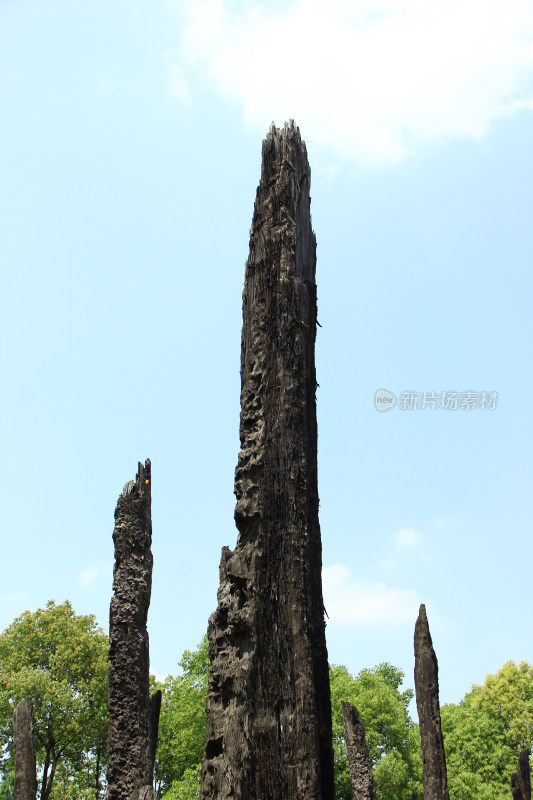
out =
column 427, row 703
column 268, row 708
column 358, row 759
column 521, row 780
column 133, row 714
column 25, row 787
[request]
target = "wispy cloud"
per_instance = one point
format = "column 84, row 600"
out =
column 447, row 522
column 16, row 602
column 366, row 80
column 365, row 604
column 14, row 598
column 179, row 85
column 89, row 575
column 159, row 676
column 406, row 538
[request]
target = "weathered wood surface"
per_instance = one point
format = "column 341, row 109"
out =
column 147, row 793
column 427, row 703
column 358, row 758
column 133, row 715
column 25, row 787
column 268, row 706
column 521, row 780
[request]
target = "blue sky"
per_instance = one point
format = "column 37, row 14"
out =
column 131, row 143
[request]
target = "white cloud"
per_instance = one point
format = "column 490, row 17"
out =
column 366, row 80
column 447, row 522
column 179, row 85
column 18, row 602
column 159, row 676
column 14, row 598
column 366, row 604
column 406, row 538
column 89, row 575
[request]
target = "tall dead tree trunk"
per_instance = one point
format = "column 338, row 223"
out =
column 358, row 758
column 133, row 715
column 24, row 751
column 268, row 707
column 427, row 703
column 521, row 780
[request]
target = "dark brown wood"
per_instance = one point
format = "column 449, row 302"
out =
column 358, row 758
column 133, row 715
column 427, row 703
column 521, row 780
column 25, row 787
column 268, row 706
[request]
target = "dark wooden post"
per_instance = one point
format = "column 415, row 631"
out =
column 521, row 780
column 24, row 751
column 358, row 757
column 133, row 715
column 427, row 703
column 268, row 707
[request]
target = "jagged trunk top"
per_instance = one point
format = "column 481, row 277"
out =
column 133, row 716
column 282, row 202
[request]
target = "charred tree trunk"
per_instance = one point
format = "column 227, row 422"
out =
column 268, row 707
column 24, row 751
column 521, row 780
column 427, row 703
column 357, row 751
column 133, row 715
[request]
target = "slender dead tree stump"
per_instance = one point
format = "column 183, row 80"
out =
column 427, row 703
column 521, row 780
column 268, row 707
column 24, row 751
column 358, row 758
column 133, row 715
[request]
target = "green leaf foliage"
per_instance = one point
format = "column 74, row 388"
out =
column 484, row 734
column 187, row 787
column 182, row 723
column 392, row 738
column 60, row 660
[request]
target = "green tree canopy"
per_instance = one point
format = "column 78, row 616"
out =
column 484, row 734
column 182, row 727
column 392, row 738
column 60, row 659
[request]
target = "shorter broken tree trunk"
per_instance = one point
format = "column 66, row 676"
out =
column 358, row 758
column 521, row 780
column 133, row 714
column 24, row 750
column 427, row 703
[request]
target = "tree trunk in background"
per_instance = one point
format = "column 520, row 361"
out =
column 357, row 751
column 133, row 715
column 427, row 703
column 521, row 780
column 268, row 707
column 24, row 752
